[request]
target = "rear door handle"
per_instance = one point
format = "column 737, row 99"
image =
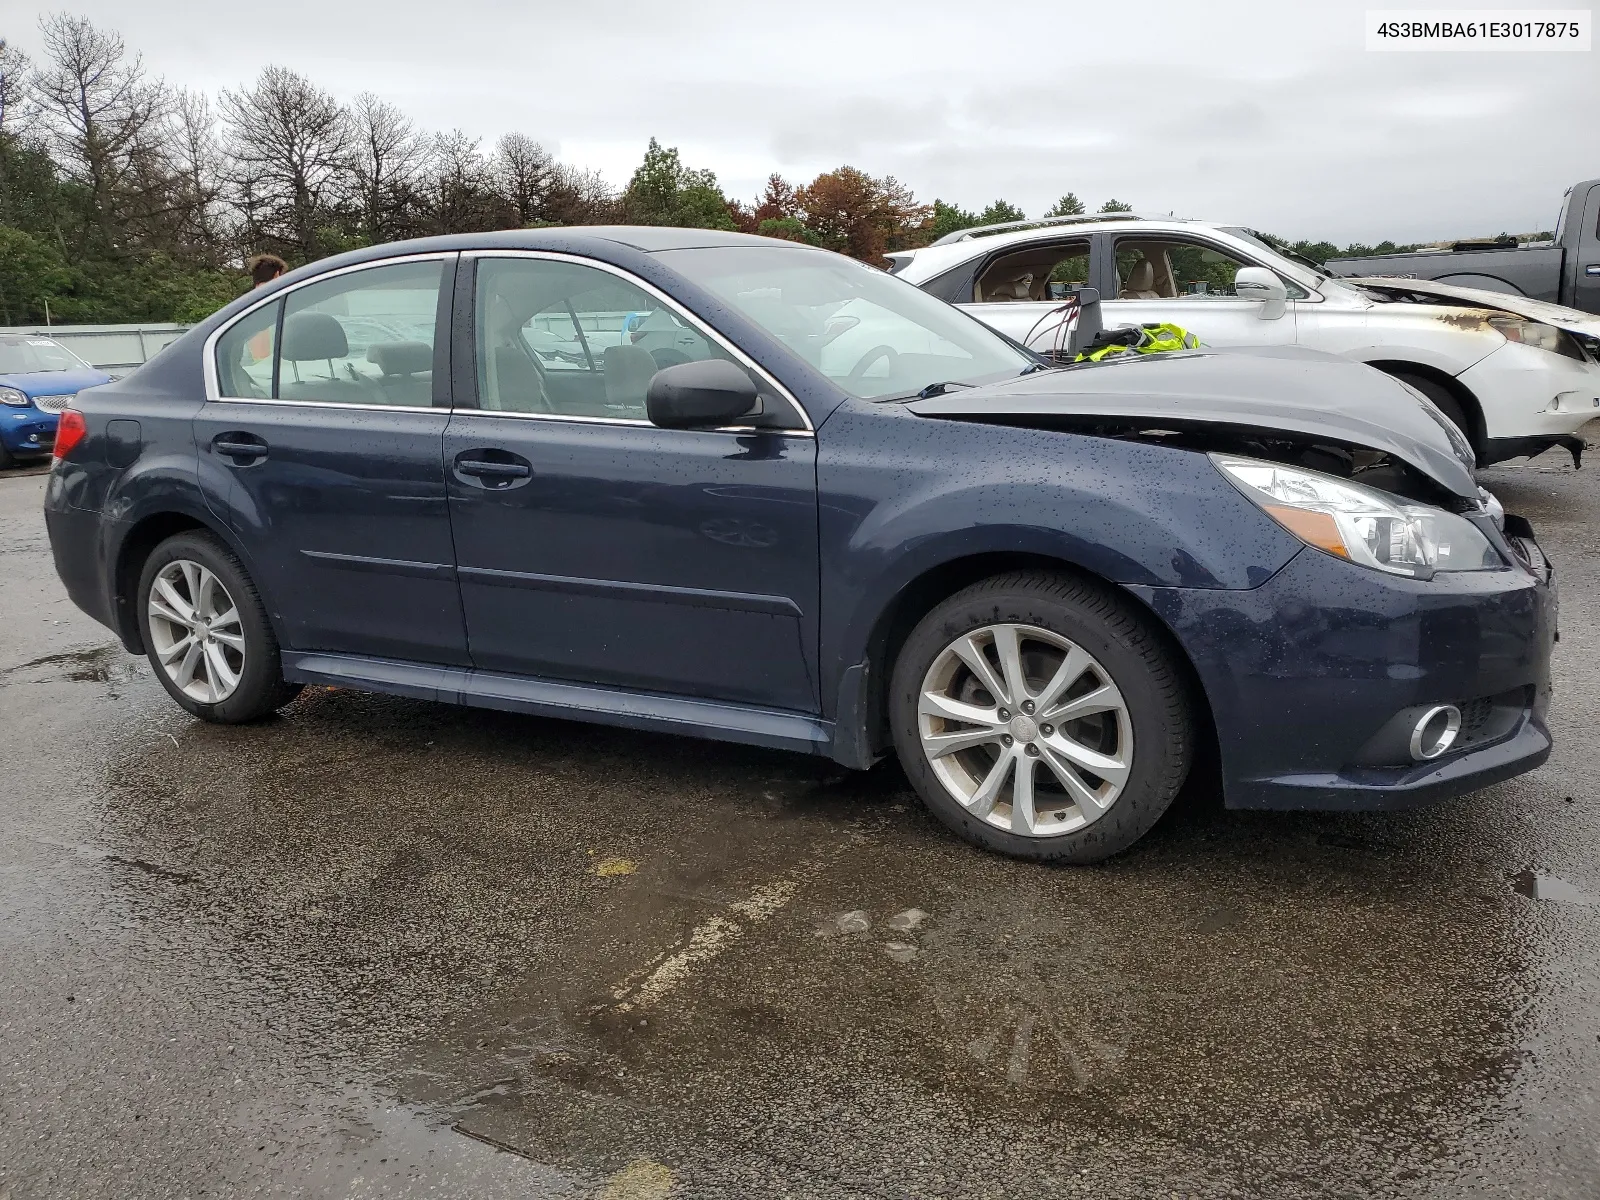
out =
column 239, row 446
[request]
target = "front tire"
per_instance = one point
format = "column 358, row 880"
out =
column 206, row 632
column 1039, row 715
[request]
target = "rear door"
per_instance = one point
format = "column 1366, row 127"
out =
column 1019, row 291
column 326, row 412
column 593, row 546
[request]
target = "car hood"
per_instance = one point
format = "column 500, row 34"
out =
column 1289, row 390
column 53, row 383
column 1569, row 319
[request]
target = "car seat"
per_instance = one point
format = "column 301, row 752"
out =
column 406, row 372
column 313, row 337
column 1141, row 282
column 1010, row 285
column 628, row 371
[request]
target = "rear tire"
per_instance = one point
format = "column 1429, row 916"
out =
column 1098, row 745
column 206, row 632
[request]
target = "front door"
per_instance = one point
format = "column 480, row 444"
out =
column 1189, row 282
column 595, row 547
column 327, row 430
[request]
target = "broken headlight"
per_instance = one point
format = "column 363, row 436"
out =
column 1533, row 333
column 1359, row 523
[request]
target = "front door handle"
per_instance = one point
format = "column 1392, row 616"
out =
column 240, row 446
column 492, row 468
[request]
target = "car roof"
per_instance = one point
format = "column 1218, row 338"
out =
column 608, row 243
column 924, row 264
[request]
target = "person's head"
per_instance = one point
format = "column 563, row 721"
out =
column 264, row 268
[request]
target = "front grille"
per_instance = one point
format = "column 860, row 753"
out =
column 54, row 404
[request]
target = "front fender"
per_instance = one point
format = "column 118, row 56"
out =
column 902, row 496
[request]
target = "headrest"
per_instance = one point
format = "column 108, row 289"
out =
column 1143, row 276
column 1019, row 286
column 310, row 336
column 401, row 358
column 628, row 369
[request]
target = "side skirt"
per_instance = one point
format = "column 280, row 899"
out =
column 681, row 715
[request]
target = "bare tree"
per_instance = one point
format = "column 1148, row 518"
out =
column 14, row 94
column 290, row 144
column 195, row 162
column 579, row 197
column 388, row 160
column 525, row 174
column 462, row 193
column 101, row 113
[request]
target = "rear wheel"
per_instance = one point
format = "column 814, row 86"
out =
column 1040, row 716
column 206, row 632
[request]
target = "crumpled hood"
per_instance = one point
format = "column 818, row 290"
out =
column 1286, row 389
column 54, row 383
column 1569, row 319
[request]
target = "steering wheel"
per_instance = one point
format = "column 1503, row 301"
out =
column 859, row 371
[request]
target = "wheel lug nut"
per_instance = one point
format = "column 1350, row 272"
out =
column 1004, row 715
column 1027, row 706
column 1033, row 751
column 1006, row 739
column 1047, row 730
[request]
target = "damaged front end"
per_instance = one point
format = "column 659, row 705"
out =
column 1336, row 418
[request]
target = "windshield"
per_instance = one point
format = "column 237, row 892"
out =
column 1291, row 262
column 870, row 333
column 25, row 355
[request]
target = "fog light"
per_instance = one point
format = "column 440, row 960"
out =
column 1435, row 732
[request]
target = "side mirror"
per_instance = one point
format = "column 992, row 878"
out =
column 700, row 395
column 1258, row 283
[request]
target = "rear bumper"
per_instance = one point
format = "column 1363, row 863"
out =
column 75, row 544
column 1307, row 674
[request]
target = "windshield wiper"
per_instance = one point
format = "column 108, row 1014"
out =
column 940, row 388
column 1038, row 366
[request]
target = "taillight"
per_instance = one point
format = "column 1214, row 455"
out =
column 71, row 430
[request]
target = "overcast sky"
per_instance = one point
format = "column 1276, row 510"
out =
column 1266, row 114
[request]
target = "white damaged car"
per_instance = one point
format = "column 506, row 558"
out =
column 1517, row 375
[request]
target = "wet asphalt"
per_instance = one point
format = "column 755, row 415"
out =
column 379, row 947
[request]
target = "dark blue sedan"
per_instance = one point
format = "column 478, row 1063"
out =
column 801, row 504
column 38, row 378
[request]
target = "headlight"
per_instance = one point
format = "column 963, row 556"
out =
column 1542, row 337
column 14, row 398
column 1359, row 523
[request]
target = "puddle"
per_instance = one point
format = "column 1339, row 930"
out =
column 1549, row 887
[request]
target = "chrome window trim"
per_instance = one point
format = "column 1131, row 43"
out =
column 209, row 356
column 806, row 427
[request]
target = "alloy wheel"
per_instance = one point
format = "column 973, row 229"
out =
column 1002, row 701
column 196, row 631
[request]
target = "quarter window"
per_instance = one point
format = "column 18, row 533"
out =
column 564, row 339
column 245, row 353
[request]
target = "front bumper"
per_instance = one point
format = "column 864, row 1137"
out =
column 1528, row 394
column 27, row 430
column 1305, row 673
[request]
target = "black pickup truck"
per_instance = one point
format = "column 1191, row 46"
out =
column 1565, row 272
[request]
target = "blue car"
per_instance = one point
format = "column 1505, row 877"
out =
column 38, row 378
column 1049, row 592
